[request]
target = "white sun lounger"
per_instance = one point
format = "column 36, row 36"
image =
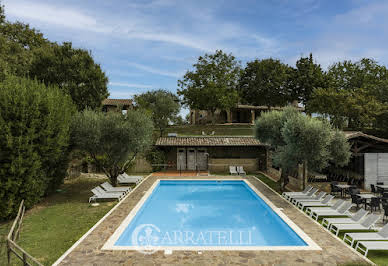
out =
column 371, row 245
column 335, row 206
column 304, row 192
column 366, row 224
column 233, row 170
column 240, row 170
column 342, row 211
column 126, row 179
column 99, row 193
column 323, row 203
column 355, row 218
column 110, row 189
column 310, row 195
column 316, row 198
column 382, row 234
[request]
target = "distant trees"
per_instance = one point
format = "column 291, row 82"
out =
column 299, row 139
column 34, row 141
column 356, row 94
column 212, row 84
column 25, row 52
column 266, row 82
column 307, row 77
column 162, row 105
column 74, row 71
column 111, row 139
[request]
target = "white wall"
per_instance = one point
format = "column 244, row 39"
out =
column 376, row 169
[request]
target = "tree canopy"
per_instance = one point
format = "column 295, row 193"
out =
column 307, row 77
column 162, row 105
column 355, row 95
column 25, row 52
column 299, row 139
column 212, row 84
column 112, row 140
column 266, row 82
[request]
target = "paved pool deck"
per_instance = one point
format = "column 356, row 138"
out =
column 88, row 250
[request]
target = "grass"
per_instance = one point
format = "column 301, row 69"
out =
column 221, row 130
column 55, row 224
column 378, row 257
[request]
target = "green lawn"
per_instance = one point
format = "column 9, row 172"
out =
column 378, row 257
column 52, row 226
column 222, row 130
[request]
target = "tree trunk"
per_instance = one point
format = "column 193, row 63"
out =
column 213, row 116
column 284, row 180
column 304, row 174
column 113, row 180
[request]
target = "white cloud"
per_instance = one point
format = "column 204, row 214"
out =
column 131, row 85
column 156, row 71
column 61, row 16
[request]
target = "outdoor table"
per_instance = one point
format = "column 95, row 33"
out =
column 366, row 196
column 383, row 187
column 343, row 188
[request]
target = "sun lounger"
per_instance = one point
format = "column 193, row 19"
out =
column 304, row 192
column 110, row 189
column 366, row 224
column 240, row 170
column 371, row 245
column 126, row 179
column 310, row 195
column 233, row 170
column 323, row 203
column 335, row 206
column 316, row 198
column 382, row 234
column 355, row 218
column 99, row 193
column 342, row 211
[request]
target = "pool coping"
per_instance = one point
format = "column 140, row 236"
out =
column 310, row 244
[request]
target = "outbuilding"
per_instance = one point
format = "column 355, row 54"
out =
column 213, row 153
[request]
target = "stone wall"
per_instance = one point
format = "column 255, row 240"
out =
column 222, row 165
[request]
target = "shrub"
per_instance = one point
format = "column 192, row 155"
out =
column 34, row 139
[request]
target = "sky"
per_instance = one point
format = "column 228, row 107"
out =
column 150, row 44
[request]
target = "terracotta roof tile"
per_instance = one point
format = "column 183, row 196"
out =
column 208, row 141
column 116, row 102
column 356, row 134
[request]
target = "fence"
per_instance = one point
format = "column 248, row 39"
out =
column 13, row 235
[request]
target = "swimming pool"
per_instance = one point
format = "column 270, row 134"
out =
column 207, row 214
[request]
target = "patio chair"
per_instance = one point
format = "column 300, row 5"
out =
column 323, row 203
column 382, row 234
column 126, row 179
column 304, row 192
column 334, row 188
column 99, row 193
column 374, row 204
column 366, row 224
column 110, row 189
column 334, row 207
column 385, row 208
column 240, row 170
column 310, row 195
column 355, row 218
column 233, row 170
column 317, row 198
column 342, row 211
column 373, row 188
column 371, row 245
column 357, row 200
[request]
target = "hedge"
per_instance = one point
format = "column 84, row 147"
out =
column 34, row 141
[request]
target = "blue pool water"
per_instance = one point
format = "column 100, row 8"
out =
column 206, row 213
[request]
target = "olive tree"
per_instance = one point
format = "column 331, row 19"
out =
column 299, row 139
column 111, row 139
